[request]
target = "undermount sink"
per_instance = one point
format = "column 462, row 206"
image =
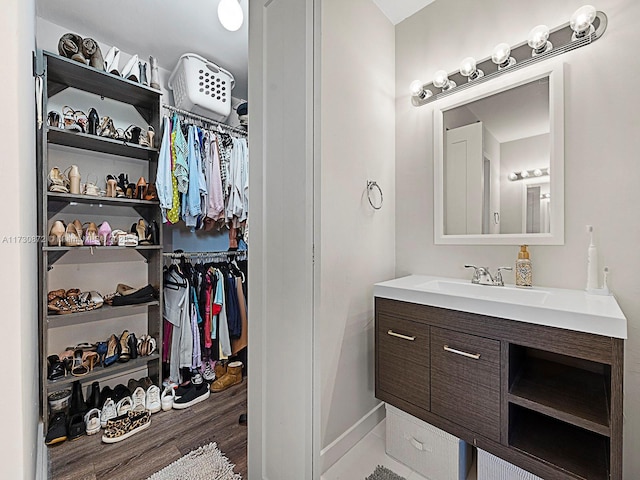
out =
column 500, row 294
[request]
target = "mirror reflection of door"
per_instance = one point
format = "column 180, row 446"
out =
column 536, row 208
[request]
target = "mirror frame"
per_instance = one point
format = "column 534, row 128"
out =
column 554, row 69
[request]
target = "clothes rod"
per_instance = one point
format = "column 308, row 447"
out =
column 210, row 121
column 205, row 254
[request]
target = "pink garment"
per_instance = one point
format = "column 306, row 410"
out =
column 207, row 311
column 215, row 208
column 166, row 341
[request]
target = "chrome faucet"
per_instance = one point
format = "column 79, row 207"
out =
column 482, row 276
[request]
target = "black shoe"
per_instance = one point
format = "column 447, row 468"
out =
column 104, row 394
column 77, row 400
column 93, row 401
column 193, row 395
column 76, row 426
column 132, row 342
column 57, row 431
column 119, row 392
column 55, row 368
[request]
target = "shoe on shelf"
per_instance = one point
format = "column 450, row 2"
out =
column 124, row 426
column 131, row 70
column 125, row 353
column 139, row 400
column 112, row 183
column 76, row 427
column 104, row 233
column 195, row 394
column 74, row 179
column 57, row 431
column 152, row 401
column 124, row 405
column 58, row 182
column 167, row 398
column 113, row 351
column 232, row 377
column 141, row 189
column 111, row 61
column 132, row 343
column 72, row 238
column 92, row 421
column 55, row 368
column 91, row 236
column 108, row 412
column 56, row 234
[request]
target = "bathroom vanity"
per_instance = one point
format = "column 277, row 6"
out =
column 533, row 376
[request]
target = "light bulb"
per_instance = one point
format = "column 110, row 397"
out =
column 513, row 176
column 230, row 14
column 418, row 91
column 581, row 21
column 524, row 174
column 538, row 40
column 441, row 80
column 501, row 56
column 537, row 172
column 468, row 69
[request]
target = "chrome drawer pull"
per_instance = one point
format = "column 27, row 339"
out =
column 475, row 356
column 399, row 335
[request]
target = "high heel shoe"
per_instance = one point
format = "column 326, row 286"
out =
column 55, row 368
column 79, row 228
column 123, row 181
column 113, row 351
column 141, row 230
column 141, row 189
column 57, row 181
column 71, row 236
column 111, row 61
column 78, row 369
column 125, row 353
column 146, row 138
column 74, row 179
column 91, row 236
column 104, row 234
column 111, row 186
column 152, row 193
column 56, row 234
column 131, row 70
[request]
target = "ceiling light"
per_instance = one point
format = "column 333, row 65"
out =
column 418, row 91
column 581, row 22
column 230, row 14
column 501, row 56
column 469, row 69
column 538, row 40
column 441, row 80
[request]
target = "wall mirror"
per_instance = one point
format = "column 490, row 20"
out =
column 499, row 161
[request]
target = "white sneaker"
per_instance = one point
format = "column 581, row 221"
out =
column 109, row 411
column 167, row 398
column 124, row 406
column 139, row 400
column 92, row 421
column 153, row 401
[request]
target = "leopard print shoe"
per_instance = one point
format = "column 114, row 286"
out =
column 124, row 426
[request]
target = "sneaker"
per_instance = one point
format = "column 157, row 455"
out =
column 92, row 421
column 195, row 394
column 57, row 431
column 138, row 400
column 153, row 402
column 196, row 378
column 207, row 372
column 124, row 405
column 167, row 398
column 124, row 426
column 108, row 412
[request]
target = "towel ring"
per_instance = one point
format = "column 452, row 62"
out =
column 370, row 186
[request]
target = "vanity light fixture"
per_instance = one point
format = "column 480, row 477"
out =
column 230, row 14
column 545, row 196
column 582, row 22
column 538, row 40
column 538, row 172
column 418, row 91
column 501, row 56
column 469, row 69
column 441, row 80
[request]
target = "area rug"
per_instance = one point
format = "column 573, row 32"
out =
column 204, row 463
column 383, row 473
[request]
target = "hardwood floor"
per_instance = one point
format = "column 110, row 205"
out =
column 171, row 435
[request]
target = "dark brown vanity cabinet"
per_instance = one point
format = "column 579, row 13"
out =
column 546, row 399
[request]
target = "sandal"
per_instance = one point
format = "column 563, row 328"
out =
column 58, row 182
column 125, row 353
column 107, row 128
column 78, row 369
column 91, row 188
column 146, row 138
column 113, row 351
column 132, row 134
column 53, row 294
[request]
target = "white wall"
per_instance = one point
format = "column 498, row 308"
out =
column 601, row 160
column 357, row 246
column 19, row 404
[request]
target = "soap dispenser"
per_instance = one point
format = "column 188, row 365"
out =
column 523, row 268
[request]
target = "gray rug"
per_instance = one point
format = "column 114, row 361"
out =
column 383, row 473
column 204, row 463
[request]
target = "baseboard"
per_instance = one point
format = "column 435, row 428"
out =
column 41, row 454
column 345, row 442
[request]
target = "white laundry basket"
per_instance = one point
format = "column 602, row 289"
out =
column 202, row 87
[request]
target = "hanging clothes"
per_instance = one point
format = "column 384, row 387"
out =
column 176, row 310
column 164, row 175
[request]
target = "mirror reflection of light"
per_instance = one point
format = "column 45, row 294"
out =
column 513, row 176
column 524, row 174
column 537, row 172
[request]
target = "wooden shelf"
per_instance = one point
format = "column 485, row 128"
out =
column 95, row 143
column 567, row 393
column 102, row 313
column 90, row 199
column 63, row 72
column 100, row 372
column 577, row 451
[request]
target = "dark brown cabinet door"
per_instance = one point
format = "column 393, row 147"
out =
column 402, row 360
column 465, row 381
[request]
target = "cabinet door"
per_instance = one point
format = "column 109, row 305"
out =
column 402, row 360
column 465, row 380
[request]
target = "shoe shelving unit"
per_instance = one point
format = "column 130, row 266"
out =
column 58, row 74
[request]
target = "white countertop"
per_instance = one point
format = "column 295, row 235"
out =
column 554, row 307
